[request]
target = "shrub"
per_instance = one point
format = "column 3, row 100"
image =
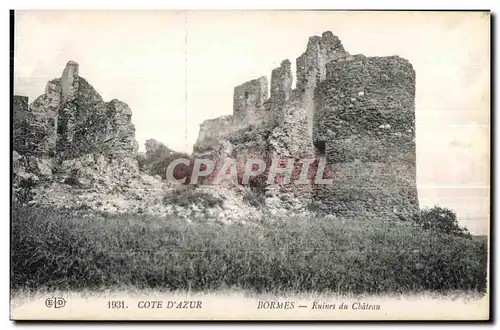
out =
column 23, row 188
column 442, row 220
column 71, row 181
column 156, row 163
column 159, row 166
column 314, row 207
column 189, row 195
column 255, row 197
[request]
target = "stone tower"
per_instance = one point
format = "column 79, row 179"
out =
column 365, row 118
column 357, row 111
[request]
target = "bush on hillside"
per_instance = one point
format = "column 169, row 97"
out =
column 441, row 220
column 156, row 163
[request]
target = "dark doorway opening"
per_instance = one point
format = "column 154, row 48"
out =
column 320, row 148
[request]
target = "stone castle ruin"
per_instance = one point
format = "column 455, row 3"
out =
column 71, row 119
column 357, row 112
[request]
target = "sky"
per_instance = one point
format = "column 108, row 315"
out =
column 176, row 69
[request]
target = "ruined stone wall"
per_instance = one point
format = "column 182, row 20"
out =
column 19, row 114
column 365, row 113
column 249, row 99
column 356, row 111
column 213, row 130
column 87, row 123
column 291, row 140
column 71, row 119
column 69, row 81
column 213, row 141
column 311, row 69
column 120, row 131
column 20, row 106
column 242, row 135
column 251, row 104
column 281, row 90
column 35, row 126
column 264, row 128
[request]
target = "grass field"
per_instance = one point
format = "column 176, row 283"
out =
column 54, row 249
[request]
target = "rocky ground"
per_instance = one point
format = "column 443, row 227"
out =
column 96, row 182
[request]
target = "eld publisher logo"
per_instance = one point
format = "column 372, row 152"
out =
column 56, row 302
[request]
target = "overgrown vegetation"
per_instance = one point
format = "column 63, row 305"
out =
column 255, row 197
column 157, row 163
column 186, row 195
column 57, row 249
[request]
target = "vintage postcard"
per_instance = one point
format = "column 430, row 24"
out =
column 250, row 165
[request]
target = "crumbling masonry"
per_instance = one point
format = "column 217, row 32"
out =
column 71, row 119
column 357, row 111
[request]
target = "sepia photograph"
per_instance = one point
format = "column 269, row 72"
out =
column 250, row 165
